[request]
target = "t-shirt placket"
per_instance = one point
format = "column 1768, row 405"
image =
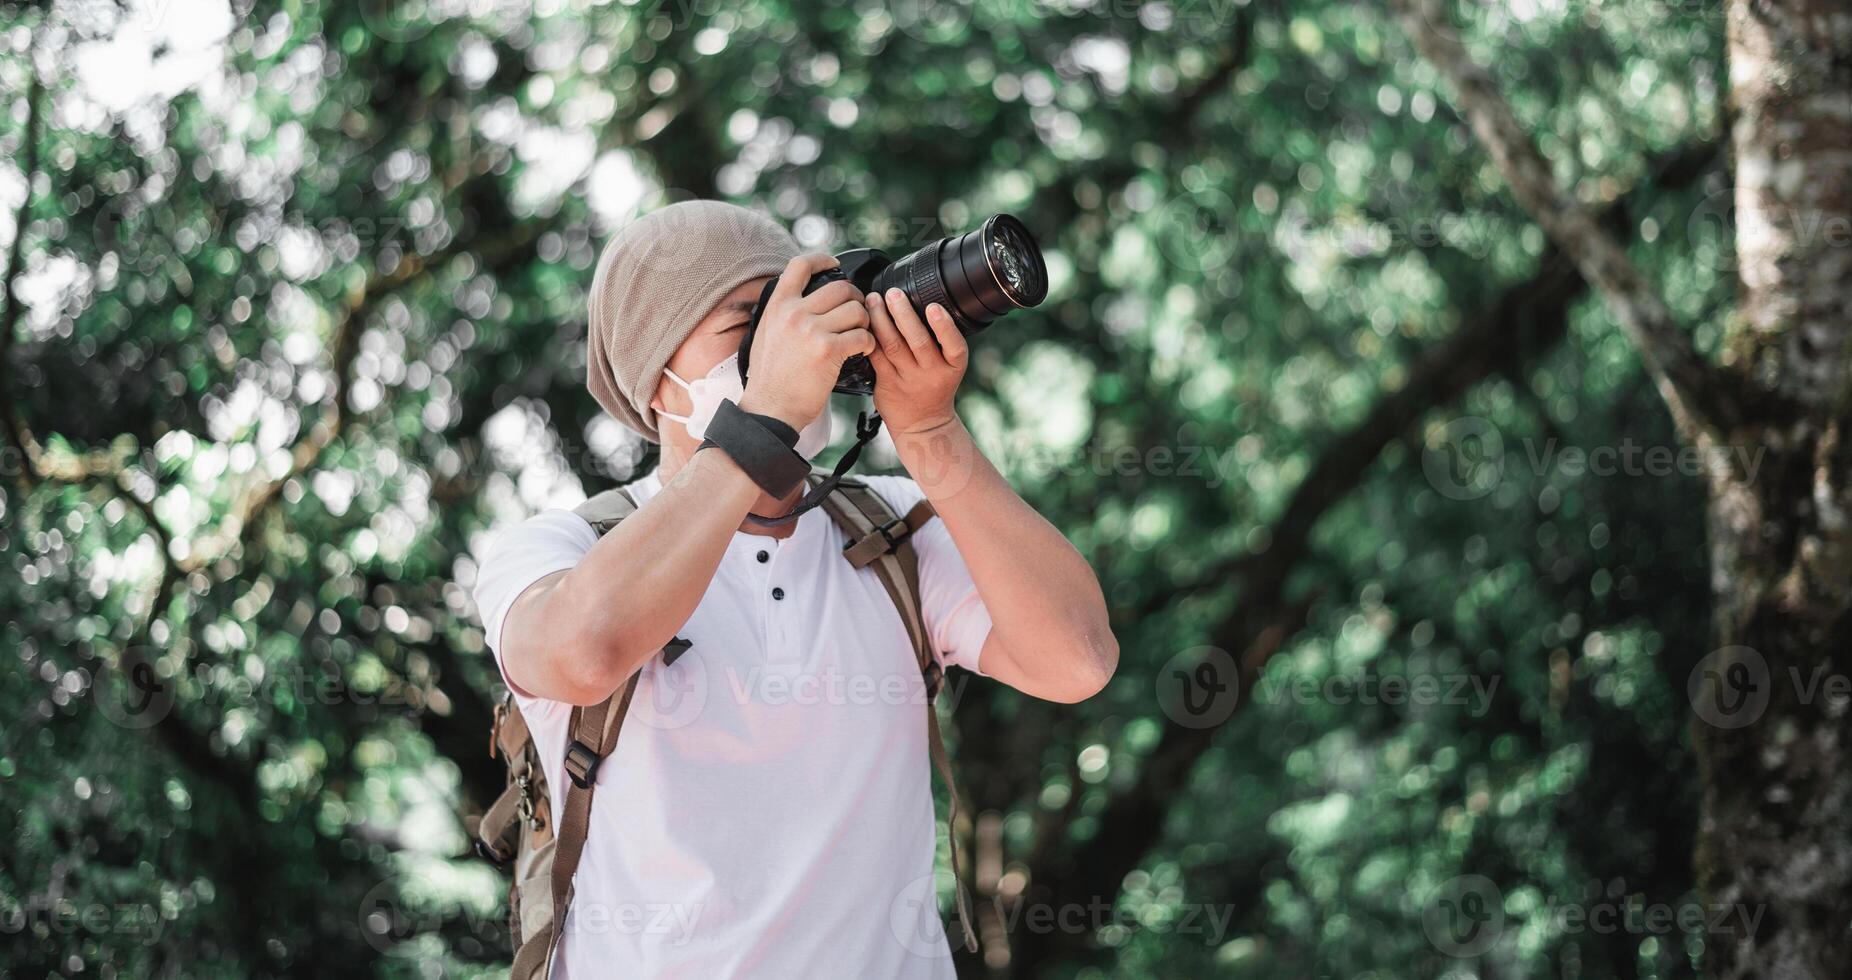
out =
column 770, row 561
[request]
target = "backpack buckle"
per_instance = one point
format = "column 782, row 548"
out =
column 880, row 541
column 582, row 764
column 493, row 854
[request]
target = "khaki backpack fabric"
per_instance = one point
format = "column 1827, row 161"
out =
column 518, row 827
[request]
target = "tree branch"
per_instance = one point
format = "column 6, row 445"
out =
column 1693, row 390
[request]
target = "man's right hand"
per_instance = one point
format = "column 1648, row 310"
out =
column 802, row 341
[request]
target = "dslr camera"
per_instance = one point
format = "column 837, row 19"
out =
column 978, row 277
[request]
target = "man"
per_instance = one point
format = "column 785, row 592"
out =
column 769, row 804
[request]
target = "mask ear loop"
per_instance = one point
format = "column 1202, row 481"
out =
column 683, row 419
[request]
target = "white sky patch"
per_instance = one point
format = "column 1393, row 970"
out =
column 553, row 160
column 1106, row 57
column 122, row 71
column 524, row 448
column 616, row 188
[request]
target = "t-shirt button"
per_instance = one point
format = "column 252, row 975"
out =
column 764, row 557
column 778, row 593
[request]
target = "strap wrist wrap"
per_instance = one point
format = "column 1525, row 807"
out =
column 761, row 445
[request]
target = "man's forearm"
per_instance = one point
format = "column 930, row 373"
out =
column 601, row 620
column 1050, row 635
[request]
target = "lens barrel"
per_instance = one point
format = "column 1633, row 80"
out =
column 978, row 276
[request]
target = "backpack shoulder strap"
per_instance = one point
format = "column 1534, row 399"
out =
column 603, row 511
column 592, row 733
column 879, row 539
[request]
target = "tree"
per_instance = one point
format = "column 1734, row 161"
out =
column 1771, row 740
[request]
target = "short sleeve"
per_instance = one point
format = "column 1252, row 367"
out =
column 548, row 542
column 956, row 619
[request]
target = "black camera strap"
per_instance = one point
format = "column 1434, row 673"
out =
column 867, row 426
column 761, row 445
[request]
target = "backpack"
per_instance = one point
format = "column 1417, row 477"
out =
column 517, row 828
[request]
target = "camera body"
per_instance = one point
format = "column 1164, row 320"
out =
column 857, row 265
column 977, row 277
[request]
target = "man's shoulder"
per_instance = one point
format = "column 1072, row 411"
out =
column 548, row 532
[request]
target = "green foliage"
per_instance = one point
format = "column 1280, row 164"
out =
column 297, row 319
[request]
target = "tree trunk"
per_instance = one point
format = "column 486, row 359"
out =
column 1772, row 726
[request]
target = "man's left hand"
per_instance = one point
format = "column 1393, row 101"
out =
column 918, row 365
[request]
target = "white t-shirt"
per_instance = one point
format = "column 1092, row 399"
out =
column 768, row 811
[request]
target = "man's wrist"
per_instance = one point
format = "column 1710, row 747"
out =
column 760, row 444
column 940, row 458
column 753, row 403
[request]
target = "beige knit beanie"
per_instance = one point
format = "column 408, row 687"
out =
column 656, row 280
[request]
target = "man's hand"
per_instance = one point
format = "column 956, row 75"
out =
column 917, row 370
column 802, row 341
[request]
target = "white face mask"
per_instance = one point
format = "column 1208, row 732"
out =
column 723, row 384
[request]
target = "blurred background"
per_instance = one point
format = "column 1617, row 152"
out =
column 294, row 319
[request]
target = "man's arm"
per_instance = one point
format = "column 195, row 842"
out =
column 577, row 635
column 1050, row 636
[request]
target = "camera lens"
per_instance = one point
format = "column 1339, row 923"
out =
column 978, row 276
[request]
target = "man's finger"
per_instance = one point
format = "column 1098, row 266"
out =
column 796, row 276
column 918, row 337
column 848, row 316
column 887, row 336
column 832, row 295
column 946, row 332
column 850, row 343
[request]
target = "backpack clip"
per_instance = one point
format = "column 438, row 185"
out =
column 582, row 764
column 880, row 541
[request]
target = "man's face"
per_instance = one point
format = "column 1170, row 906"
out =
column 716, row 338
